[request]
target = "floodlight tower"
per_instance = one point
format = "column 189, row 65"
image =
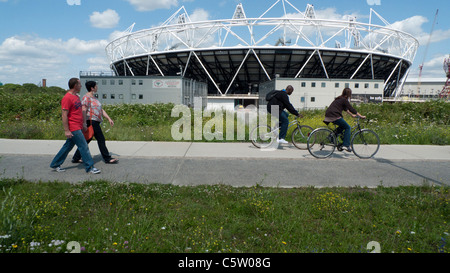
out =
column 446, row 90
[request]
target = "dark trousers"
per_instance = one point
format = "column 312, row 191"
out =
column 284, row 123
column 343, row 126
column 98, row 134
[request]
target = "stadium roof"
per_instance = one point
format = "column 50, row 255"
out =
column 234, row 54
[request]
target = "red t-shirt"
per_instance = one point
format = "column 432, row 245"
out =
column 73, row 104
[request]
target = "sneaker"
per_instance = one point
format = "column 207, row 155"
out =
column 59, row 169
column 94, row 171
column 347, row 148
column 282, row 141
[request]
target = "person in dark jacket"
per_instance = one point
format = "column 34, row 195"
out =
column 282, row 100
column 334, row 114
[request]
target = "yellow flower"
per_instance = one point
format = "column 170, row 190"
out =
column 283, row 242
column 114, row 244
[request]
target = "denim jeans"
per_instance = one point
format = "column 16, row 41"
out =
column 76, row 139
column 343, row 126
column 284, row 123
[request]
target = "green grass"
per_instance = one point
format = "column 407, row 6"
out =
column 30, row 112
column 135, row 218
column 131, row 217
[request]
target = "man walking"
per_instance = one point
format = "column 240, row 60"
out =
column 74, row 121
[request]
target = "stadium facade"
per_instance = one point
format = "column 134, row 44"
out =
column 241, row 56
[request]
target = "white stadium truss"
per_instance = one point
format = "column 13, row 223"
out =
column 233, row 55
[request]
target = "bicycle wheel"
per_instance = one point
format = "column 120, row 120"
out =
column 262, row 136
column 321, row 143
column 300, row 136
column 365, row 143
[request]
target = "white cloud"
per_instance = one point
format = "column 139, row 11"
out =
column 411, row 25
column 30, row 58
column 199, row 15
column 107, row 19
column 437, row 36
column 147, row 5
column 80, row 47
column 414, row 26
column 436, row 61
column 116, row 34
column 98, row 64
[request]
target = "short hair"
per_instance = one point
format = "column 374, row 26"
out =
column 90, row 85
column 347, row 92
column 73, row 82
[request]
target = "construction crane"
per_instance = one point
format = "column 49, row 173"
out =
column 425, row 53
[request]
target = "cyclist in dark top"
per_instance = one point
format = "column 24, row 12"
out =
column 282, row 100
column 334, row 114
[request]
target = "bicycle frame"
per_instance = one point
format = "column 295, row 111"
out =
column 291, row 124
column 368, row 141
column 356, row 128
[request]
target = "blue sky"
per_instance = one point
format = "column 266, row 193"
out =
column 56, row 39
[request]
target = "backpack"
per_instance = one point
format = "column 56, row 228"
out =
column 271, row 94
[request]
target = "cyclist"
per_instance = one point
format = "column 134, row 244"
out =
column 281, row 99
column 334, row 114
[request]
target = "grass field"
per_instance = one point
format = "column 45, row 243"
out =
column 106, row 217
column 30, row 112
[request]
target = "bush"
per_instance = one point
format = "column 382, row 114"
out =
column 30, row 112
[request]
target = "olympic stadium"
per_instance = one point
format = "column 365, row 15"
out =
column 236, row 56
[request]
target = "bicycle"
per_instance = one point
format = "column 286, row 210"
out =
column 263, row 136
column 322, row 142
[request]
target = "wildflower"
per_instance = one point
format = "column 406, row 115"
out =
column 114, row 244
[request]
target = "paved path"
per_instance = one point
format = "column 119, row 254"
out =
column 237, row 164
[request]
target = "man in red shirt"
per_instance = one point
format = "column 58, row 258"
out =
column 74, row 122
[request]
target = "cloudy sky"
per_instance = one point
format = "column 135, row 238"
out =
column 56, row 39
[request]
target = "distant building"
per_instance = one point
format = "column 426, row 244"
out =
column 145, row 90
column 319, row 93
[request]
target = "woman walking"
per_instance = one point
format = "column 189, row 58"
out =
column 94, row 115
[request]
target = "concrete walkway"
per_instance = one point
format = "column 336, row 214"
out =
column 237, row 164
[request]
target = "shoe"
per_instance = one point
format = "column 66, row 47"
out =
column 347, row 148
column 282, row 141
column 112, row 161
column 94, row 170
column 59, row 169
